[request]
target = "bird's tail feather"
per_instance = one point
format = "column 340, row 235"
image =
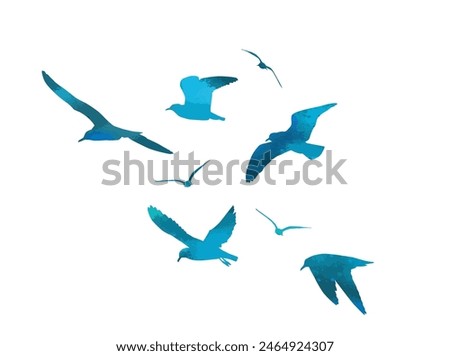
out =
column 216, row 117
column 312, row 151
column 228, row 256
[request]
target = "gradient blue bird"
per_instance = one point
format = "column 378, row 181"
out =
column 330, row 269
column 198, row 96
column 186, row 183
column 103, row 130
column 294, row 139
column 210, row 247
column 279, row 231
column 262, row 65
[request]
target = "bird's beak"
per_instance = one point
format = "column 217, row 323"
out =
column 81, row 140
column 167, row 109
column 302, row 267
column 268, row 139
column 179, row 258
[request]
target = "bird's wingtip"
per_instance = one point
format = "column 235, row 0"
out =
column 152, row 211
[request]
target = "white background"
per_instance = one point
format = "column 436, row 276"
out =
column 82, row 267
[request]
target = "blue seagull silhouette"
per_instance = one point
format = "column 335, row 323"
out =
column 198, row 96
column 186, row 183
column 210, row 247
column 262, row 65
column 294, row 139
column 279, row 231
column 331, row 269
column 102, row 130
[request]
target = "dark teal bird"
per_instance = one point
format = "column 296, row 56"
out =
column 263, row 65
column 186, row 183
column 198, row 97
column 279, row 231
column 294, row 139
column 210, row 247
column 103, row 129
column 329, row 270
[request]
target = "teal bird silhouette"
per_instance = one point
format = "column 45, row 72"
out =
column 198, row 96
column 103, row 129
column 331, row 269
column 210, row 247
column 186, row 183
column 294, row 139
column 263, row 65
column 279, row 231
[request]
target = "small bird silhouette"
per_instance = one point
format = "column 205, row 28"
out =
column 279, row 231
column 294, row 139
column 198, row 96
column 103, row 129
column 186, row 183
column 331, row 269
column 210, row 247
column 262, row 65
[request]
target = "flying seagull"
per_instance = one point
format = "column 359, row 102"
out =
column 103, row 129
column 262, row 65
column 198, row 95
column 210, row 247
column 186, row 183
column 331, row 269
column 294, row 139
column 279, row 231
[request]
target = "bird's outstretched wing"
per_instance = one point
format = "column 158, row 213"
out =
column 170, row 180
column 273, row 222
column 144, row 141
column 303, row 122
column 76, row 104
column 193, row 173
column 253, row 54
column 294, row 227
column 218, row 82
column 347, row 284
column 327, row 285
column 275, row 76
column 222, row 232
column 199, row 91
column 170, row 227
column 262, row 156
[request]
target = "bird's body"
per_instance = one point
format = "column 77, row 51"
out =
column 278, row 230
column 263, row 65
column 103, row 130
column 330, row 269
column 210, row 247
column 186, row 183
column 198, row 96
column 294, row 139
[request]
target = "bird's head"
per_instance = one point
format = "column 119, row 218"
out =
column 307, row 263
column 86, row 136
column 186, row 253
column 274, row 136
column 94, row 135
column 173, row 107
